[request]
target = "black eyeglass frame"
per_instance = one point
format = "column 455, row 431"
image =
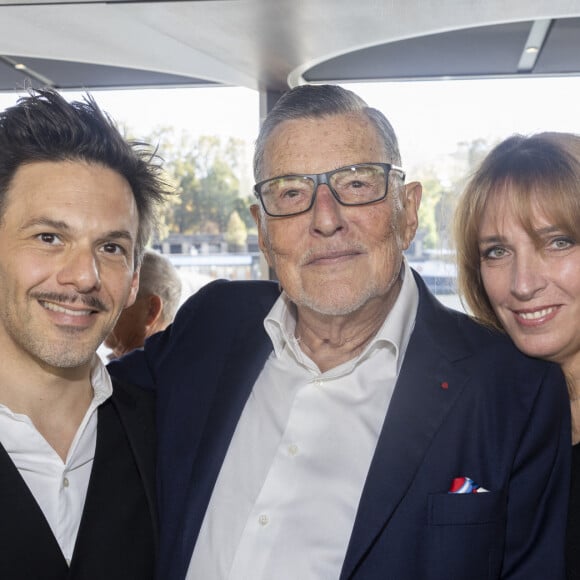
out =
column 324, row 178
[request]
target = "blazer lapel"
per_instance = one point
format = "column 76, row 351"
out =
column 138, row 422
column 426, row 390
column 119, row 519
column 245, row 358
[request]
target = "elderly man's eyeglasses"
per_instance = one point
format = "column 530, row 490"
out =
column 358, row 184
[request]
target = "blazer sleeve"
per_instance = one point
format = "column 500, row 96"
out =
column 205, row 327
column 537, row 499
column 142, row 367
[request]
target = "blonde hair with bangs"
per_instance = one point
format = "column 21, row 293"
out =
column 537, row 172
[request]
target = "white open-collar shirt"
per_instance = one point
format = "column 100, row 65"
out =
column 59, row 487
column 286, row 497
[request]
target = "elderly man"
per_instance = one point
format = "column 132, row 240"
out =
column 338, row 428
column 76, row 449
column 157, row 301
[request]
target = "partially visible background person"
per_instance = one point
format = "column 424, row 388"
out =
column 517, row 233
column 157, row 301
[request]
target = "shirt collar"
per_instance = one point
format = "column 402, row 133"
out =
column 280, row 323
column 101, row 382
column 400, row 321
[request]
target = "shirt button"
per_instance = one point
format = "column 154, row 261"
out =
column 263, row 520
column 293, row 450
column 319, row 382
column 65, row 482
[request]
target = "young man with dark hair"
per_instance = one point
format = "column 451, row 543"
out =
column 77, row 204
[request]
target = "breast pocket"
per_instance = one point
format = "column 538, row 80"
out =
column 459, row 509
column 467, row 533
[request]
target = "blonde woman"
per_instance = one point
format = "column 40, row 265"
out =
column 517, row 233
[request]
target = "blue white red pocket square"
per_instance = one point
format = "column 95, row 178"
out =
column 465, row 485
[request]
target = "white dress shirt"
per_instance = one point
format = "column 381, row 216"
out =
column 59, row 487
column 286, row 497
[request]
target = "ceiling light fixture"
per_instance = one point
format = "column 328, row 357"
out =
column 531, row 50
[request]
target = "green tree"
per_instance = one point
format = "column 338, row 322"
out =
column 442, row 183
column 242, row 207
column 428, row 226
column 205, row 173
column 236, row 234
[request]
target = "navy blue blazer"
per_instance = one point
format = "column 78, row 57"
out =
column 466, row 403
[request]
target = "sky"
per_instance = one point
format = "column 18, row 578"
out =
column 220, row 111
column 430, row 117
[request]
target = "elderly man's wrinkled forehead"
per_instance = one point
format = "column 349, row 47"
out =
column 323, row 143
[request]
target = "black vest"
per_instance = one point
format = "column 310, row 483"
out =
column 115, row 539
